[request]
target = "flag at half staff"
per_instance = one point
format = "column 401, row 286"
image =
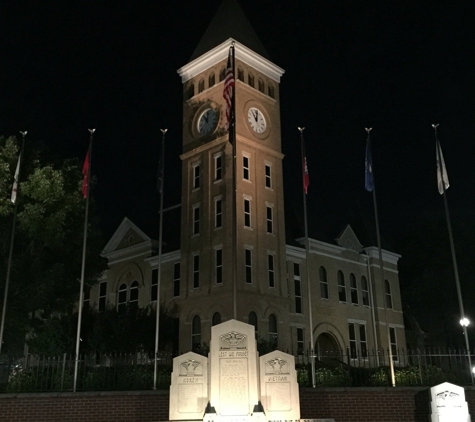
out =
column 368, row 180
column 442, row 177
column 228, row 88
column 15, row 180
column 85, row 172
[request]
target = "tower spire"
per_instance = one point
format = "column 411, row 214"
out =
column 229, row 22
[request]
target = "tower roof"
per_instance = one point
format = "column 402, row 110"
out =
column 229, row 22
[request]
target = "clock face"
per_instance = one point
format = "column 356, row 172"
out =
column 207, row 121
column 256, row 120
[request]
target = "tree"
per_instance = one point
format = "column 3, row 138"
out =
column 47, row 253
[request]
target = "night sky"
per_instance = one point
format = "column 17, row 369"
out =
column 395, row 66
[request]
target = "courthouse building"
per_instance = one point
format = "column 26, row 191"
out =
column 238, row 264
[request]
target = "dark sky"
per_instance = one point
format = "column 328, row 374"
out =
column 396, row 66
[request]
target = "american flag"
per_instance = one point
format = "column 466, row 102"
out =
column 228, row 88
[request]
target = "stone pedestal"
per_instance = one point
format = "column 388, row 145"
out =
column 448, row 403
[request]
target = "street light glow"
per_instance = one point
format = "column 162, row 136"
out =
column 464, row 322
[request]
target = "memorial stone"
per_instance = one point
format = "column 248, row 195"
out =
column 448, row 403
column 279, row 388
column 189, row 387
column 233, row 367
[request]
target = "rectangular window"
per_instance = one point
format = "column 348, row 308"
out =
column 300, row 341
column 363, row 344
column 196, row 175
column 341, row 287
column 248, row 260
column 323, row 283
column 247, row 213
column 297, row 289
column 358, row 342
column 245, row 168
column 196, row 219
column 268, row 176
column 102, row 296
column 218, row 258
column 392, row 336
column 86, row 298
column 364, row 291
column 196, row 271
column 176, row 279
column 270, row 263
column 353, row 289
column 352, row 335
column 154, row 287
column 218, row 212
column 269, row 220
column 218, row 166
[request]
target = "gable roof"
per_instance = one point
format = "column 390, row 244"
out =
column 134, row 235
column 229, row 22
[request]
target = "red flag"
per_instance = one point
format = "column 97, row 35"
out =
column 228, row 89
column 85, row 172
column 306, row 178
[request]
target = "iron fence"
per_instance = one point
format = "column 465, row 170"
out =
column 112, row 372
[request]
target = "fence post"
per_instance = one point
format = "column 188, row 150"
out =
column 62, row 371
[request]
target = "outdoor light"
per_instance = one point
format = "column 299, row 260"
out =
column 473, row 369
column 464, row 322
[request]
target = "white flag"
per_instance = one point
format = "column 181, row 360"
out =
column 15, row 180
column 442, row 177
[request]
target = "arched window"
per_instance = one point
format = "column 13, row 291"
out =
column 341, row 287
column 240, row 73
column 190, row 91
column 216, row 319
column 211, row 80
column 250, row 79
column 387, row 291
column 273, row 330
column 195, row 333
column 122, row 298
column 353, row 289
column 253, row 321
column 260, row 84
column 270, row 91
column 323, row 283
column 221, row 74
column 134, row 295
column 364, row 291
column 201, row 86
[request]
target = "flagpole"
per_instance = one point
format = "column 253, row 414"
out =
column 307, row 250
column 160, row 237
column 232, row 139
column 443, row 180
column 381, row 264
column 83, row 264
column 12, row 238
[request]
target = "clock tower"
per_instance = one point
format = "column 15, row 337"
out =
column 233, row 256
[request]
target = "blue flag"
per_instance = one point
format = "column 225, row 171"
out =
column 368, row 180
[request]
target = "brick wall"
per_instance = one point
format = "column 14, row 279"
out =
column 341, row 404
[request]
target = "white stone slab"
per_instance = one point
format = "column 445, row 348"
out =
column 189, row 387
column 448, row 403
column 279, row 387
column 233, row 370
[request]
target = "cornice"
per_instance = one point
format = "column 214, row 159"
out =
column 219, row 53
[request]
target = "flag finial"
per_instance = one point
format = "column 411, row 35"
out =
column 301, row 129
column 368, row 129
column 23, row 133
column 164, row 131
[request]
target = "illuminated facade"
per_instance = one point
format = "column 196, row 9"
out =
column 246, row 270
